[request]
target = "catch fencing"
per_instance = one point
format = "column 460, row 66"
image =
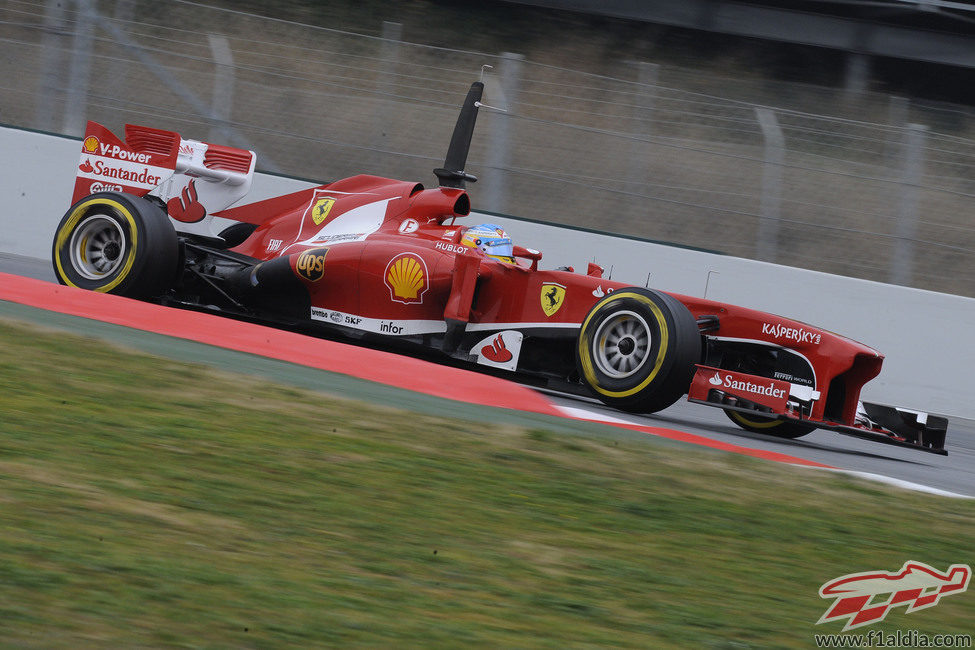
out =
column 865, row 185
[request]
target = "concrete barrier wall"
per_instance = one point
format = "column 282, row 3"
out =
column 924, row 335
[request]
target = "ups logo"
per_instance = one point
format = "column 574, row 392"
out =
column 311, row 264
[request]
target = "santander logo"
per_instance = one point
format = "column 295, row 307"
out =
column 497, row 351
column 728, row 381
column 131, row 175
column 187, row 207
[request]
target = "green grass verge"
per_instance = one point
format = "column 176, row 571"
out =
column 145, row 502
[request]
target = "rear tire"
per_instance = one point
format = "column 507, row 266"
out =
column 116, row 243
column 769, row 426
column 637, row 349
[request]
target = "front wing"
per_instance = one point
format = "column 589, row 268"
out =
column 781, row 400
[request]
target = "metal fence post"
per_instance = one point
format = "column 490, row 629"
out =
column 118, row 68
column 182, row 93
column 223, row 83
column 767, row 239
column 79, row 75
column 912, row 169
column 897, row 112
column 495, row 194
column 385, row 84
column 646, row 93
column 638, row 164
column 51, row 69
column 857, row 74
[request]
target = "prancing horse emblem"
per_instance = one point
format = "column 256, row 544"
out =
column 319, row 211
column 553, row 295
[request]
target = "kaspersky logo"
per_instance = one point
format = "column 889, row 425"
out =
column 916, row 586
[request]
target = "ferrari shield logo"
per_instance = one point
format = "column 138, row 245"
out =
column 320, row 210
column 553, row 295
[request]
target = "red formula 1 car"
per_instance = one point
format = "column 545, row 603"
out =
column 383, row 261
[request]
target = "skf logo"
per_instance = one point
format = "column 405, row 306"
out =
column 916, row 585
column 552, row 297
column 311, row 264
column 91, row 144
column 320, row 210
column 406, row 277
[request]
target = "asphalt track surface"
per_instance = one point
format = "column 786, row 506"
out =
column 953, row 474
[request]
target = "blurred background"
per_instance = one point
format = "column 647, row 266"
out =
column 835, row 136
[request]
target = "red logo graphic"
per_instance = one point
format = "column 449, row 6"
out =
column 916, row 585
column 86, row 166
column 187, row 207
column 497, row 351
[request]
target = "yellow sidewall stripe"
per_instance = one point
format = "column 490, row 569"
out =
column 757, row 424
column 587, row 367
column 64, row 233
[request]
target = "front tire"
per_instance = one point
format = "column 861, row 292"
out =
column 769, row 426
column 637, row 349
column 116, row 243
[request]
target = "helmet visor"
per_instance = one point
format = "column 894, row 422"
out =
column 498, row 247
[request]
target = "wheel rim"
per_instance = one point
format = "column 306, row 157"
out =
column 622, row 344
column 97, row 247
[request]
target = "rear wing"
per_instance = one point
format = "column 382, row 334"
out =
column 194, row 179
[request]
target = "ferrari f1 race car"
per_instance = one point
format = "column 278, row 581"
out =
column 385, row 262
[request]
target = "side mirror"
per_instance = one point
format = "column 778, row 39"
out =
column 528, row 254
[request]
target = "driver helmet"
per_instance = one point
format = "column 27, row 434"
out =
column 490, row 238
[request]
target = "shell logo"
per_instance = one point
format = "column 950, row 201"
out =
column 406, row 277
column 91, row 144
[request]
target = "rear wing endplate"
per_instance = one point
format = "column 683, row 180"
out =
column 193, row 179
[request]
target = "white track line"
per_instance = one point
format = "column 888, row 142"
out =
column 593, row 415
column 896, row 482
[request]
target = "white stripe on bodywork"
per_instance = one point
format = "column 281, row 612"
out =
column 387, row 326
column 416, row 326
column 352, row 226
column 478, row 327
